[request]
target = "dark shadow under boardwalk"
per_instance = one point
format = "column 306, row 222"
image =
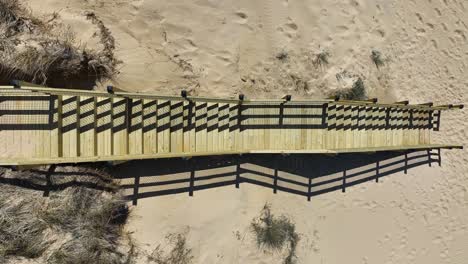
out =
column 306, row 175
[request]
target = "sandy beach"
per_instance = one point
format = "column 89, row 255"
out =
column 266, row 49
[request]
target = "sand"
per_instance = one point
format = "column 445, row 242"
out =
column 222, row 48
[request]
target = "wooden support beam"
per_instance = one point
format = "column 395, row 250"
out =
column 275, row 177
column 377, row 171
column 19, row 84
column 406, row 102
column 95, row 127
column 191, row 165
column 406, row 163
column 429, row 157
column 455, row 147
column 59, row 110
column 78, row 126
column 49, row 173
column 343, row 187
column 136, row 187
column 440, row 157
column 427, row 104
column 451, row 106
column 238, row 171
column 309, row 189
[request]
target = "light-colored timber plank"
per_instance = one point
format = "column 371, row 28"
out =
column 201, row 125
column 38, row 161
column 186, row 125
column 293, row 132
column 176, row 134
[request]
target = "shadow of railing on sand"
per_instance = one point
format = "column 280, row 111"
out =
column 305, row 175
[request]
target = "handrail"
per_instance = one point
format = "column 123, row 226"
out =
column 116, row 158
column 371, row 102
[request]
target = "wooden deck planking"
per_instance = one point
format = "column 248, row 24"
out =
column 201, row 124
column 163, row 126
column 85, row 126
column 150, row 126
column 176, row 125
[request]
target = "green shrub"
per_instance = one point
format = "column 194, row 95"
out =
column 357, row 91
column 377, row 58
column 275, row 233
column 321, row 58
column 178, row 254
column 282, row 56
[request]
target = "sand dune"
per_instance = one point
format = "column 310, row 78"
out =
column 222, row 48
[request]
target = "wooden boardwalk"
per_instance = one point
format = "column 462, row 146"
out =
column 52, row 126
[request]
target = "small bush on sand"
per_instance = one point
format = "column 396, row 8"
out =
column 321, row 58
column 357, row 91
column 282, row 56
column 178, row 254
column 275, row 233
column 377, row 58
column 46, row 52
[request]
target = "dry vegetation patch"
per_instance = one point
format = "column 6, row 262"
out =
column 276, row 233
column 356, row 92
column 81, row 222
column 46, row 52
column 178, row 253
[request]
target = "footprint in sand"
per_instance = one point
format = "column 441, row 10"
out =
column 444, row 26
column 430, row 25
column 421, row 30
column 380, row 33
column 242, row 17
column 289, row 29
column 460, row 34
column 420, row 18
column 292, row 26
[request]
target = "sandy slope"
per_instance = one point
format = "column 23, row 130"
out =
column 221, row 48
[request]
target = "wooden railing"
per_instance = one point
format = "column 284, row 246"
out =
column 51, row 126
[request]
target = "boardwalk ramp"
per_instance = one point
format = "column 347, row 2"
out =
column 57, row 126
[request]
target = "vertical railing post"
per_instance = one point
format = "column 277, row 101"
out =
column 429, row 157
column 192, row 176
column 275, row 177
column 238, row 171
column 49, row 173
column 440, row 157
column 411, row 118
column 343, row 188
column 136, row 186
column 406, row 162
column 128, row 123
column 112, row 126
column 78, row 126
column 377, row 171
column 59, row 126
column 95, row 126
